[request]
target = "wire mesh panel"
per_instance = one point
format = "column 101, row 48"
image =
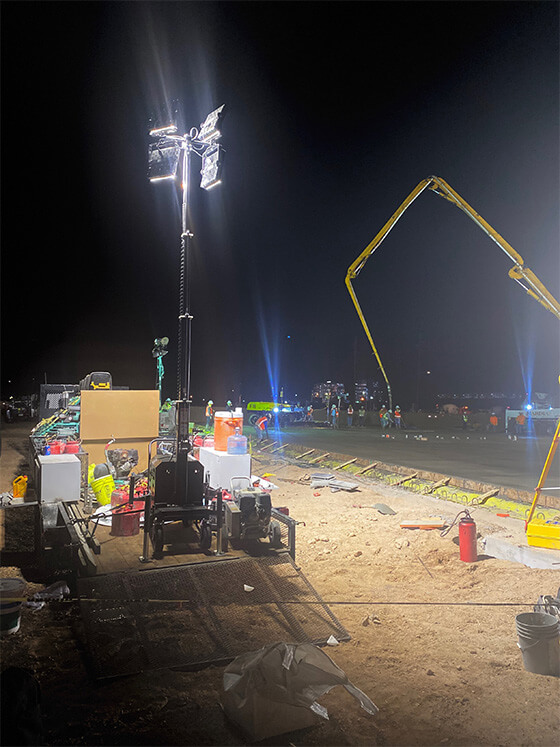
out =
column 200, row 613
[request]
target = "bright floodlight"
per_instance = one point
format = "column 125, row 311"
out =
column 211, row 171
column 209, row 132
column 166, row 130
column 163, row 159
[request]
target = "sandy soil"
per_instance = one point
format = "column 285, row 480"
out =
column 439, row 673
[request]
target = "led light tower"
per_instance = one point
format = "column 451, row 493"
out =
column 169, row 156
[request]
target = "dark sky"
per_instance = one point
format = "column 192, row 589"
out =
column 336, row 110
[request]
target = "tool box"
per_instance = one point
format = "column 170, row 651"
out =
column 542, row 533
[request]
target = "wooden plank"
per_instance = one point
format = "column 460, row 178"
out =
column 350, row 461
column 318, row 459
column 436, row 485
column 268, row 446
column 305, row 453
column 367, row 469
column 405, row 479
column 279, row 448
column 484, row 497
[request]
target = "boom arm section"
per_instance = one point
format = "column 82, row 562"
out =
column 519, row 272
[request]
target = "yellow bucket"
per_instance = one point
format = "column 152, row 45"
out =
column 103, row 488
column 19, row 486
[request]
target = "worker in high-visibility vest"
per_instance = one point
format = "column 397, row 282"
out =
column 398, row 417
column 209, row 414
column 493, row 422
column 261, row 426
column 520, row 423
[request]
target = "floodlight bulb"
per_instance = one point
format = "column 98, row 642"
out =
column 166, row 130
column 209, row 132
column 212, row 161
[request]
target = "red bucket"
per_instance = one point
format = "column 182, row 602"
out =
column 71, row 447
column 57, row 447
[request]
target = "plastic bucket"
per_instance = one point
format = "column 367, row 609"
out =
column 72, row 447
column 103, row 488
column 538, row 636
column 19, row 486
column 10, row 611
column 56, row 447
column 225, row 424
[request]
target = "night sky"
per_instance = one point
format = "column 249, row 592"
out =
column 335, row 111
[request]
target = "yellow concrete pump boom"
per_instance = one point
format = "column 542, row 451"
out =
column 519, row 272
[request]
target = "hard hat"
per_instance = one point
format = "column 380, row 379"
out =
column 397, row 408
column 210, row 402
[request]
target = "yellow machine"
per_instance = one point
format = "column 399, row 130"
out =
column 550, row 535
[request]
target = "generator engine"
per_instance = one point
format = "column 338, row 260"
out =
column 247, row 515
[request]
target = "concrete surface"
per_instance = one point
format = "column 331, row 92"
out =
column 495, row 460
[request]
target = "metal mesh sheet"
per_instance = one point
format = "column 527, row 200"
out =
column 133, row 624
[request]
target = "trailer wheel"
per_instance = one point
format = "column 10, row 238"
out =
column 275, row 535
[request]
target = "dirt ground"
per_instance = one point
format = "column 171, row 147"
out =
column 439, row 672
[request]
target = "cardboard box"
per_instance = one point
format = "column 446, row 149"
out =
column 129, row 416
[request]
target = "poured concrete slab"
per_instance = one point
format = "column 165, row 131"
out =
column 529, row 556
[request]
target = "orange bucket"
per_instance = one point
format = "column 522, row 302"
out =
column 225, row 424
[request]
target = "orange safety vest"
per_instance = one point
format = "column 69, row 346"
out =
column 493, row 420
column 261, row 422
column 209, row 411
column 520, row 419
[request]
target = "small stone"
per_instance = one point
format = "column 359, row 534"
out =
column 358, row 553
column 430, row 673
column 365, row 621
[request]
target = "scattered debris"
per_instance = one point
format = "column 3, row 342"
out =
column 384, row 509
column 423, row 524
column 275, row 690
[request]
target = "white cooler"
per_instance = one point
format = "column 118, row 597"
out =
column 220, row 467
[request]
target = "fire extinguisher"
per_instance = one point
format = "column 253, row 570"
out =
column 467, row 537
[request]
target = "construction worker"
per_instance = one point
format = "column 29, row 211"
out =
column 465, row 419
column 334, row 415
column 386, row 420
column 382, row 414
column 350, row 415
column 493, row 422
column 520, row 423
column 261, row 426
column 209, row 414
column 361, row 416
column 309, row 416
column 398, row 417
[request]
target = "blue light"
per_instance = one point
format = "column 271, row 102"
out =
column 275, row 409
column 528, row 407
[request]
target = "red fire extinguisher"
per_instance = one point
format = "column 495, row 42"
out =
column 467, row 536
